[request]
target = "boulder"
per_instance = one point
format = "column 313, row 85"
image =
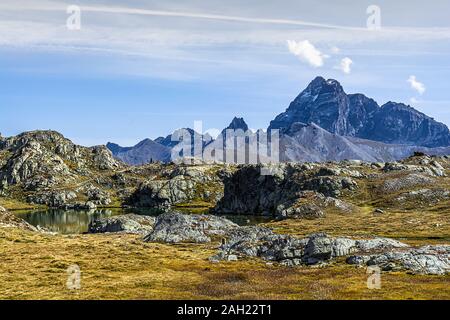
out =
column 425, row 260
column 103, row 158
column 319, row 248
column 343, row 247
column 261, row 242
column 130, row 223
column 375, row 244
column 179, row 228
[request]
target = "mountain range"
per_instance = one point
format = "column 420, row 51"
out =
column 325, row 103
column 323, row 124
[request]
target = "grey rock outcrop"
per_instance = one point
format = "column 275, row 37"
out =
column 97, row 196
column 179, row 228
column 424, row 260
column 254, row 241
column 8, row 220
column 53, row 199
column 291, row 190
column 180, row 185
column 432, row 168
column 405, row 182
column 425, row 197
column 290, row 251
column 69, row 199
column 319, row 248
column 43, row 167
column 130, row 223
column 42, row 159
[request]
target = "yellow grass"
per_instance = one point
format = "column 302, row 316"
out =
column 33, row 266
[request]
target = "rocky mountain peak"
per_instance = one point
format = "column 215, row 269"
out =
column 238, row 123
column 321, row 85
column 325, row 103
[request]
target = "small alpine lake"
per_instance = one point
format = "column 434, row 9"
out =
column 77, row 221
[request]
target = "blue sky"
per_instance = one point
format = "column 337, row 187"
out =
column 128, row 75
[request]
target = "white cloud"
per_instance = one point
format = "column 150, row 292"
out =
column 306, row 52
column 413, row 100
column 416, row 85
column 335, row 50
column 345, row 65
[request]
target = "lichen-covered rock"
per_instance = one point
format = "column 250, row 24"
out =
column 409, row 181
column 283, row 190
column 285, row 249
column 424, row 260
column 427, row 166
column 104, row 159
column 130, row 223
column 261, row 242
column 39, row 167
column 97, row 196
column 31, row 159
column 320, row 249
column 312, row 205
column 368, row 245
column 343, row 246
column 8, row 220
column 424, row 197
column 184, row 184
column 302, row 211
column 178, row 228
column 330, row 186
column 53, row 199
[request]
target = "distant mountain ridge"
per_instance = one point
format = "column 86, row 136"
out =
column 322, row 124
column 160, row 149
column 325, row 103
column 144, row 152
column 311, row 143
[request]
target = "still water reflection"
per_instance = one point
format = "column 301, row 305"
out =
column 77, row 221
